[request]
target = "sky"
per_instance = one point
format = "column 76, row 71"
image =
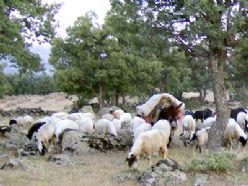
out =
column 71, row 9
column 67, row 15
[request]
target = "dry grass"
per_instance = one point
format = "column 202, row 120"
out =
column 55, row 101
column 97, row 169
column 93, row 169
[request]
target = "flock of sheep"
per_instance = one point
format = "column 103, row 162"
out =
column 149, row 136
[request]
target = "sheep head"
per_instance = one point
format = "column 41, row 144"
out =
column 243, row 140
column 131, row 159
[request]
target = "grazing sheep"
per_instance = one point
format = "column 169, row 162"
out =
column 34, row 129
column 86, row 125
column 106, row 126
column 60, row 115
column 234, row 112
column 165, row 126
column 108, row 116
column 141, row 129
column 203, row 114
column 188, row 123
column 44, row 137
column 117, row 124
column 201, row 137
column 74, row 116
column 209, row 121
column 234, row 131
column 135, row 122
column 61, row 125
column 242, row 120
column 22, row 120
column 117, row 113
column 126, row 118
column 150, row 142
column 89, row 115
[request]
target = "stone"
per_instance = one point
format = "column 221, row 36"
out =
column 165, row 172
column 14, row 163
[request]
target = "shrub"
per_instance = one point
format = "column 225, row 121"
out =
column 212, row 162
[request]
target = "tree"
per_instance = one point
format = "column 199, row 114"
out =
column 3, row 82
column 209, row 30
column 21, row 24
column 238, row 73
column 91, row 61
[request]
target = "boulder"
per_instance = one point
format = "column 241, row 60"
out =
column 16, row 139
column 165, row 172
column 72, row 143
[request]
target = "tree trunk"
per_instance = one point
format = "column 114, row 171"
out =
column 100, row 94
column 217, row 130
column 114, row 101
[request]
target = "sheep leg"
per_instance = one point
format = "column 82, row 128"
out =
column 162, row 152
column 150, row 159
column 165, row 152
column 196, row 147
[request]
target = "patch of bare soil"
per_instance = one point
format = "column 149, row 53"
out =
column 55, row 102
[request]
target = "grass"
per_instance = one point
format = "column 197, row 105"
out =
column 100, row 168
column 218, row 162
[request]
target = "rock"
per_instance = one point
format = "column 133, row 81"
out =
column 61, row 159
column 131, row 174
column 104, row 142
column 72, row 143
column 165, row 172
column 200, row 179
column 15, row 139
column 27, row 150
column 14, row 163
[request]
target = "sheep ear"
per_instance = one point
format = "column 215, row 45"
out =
column 179, row 105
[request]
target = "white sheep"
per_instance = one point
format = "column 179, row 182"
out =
column 89, row 115
column 22, row 120
column 126, row 118
column 108, row 116
column 61, row 125
column 234, row 132
column 201, row 137
column 135, row 122
column 86, row 124
column 105, row 126
column 188, row 123
column 117, row 113
column 74, row 116
column 242, row 120
column 162, row 125
column 209, row 121
column 150, row 142
column 60, row 115
column 44, row 137
column 141, row 129
column 165, row 126
column 117, row 124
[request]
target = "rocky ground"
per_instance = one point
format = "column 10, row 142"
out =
column 93, row 160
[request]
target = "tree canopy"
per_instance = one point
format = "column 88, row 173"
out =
column 21, row 24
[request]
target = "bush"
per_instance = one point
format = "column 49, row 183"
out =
column 212, row 162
